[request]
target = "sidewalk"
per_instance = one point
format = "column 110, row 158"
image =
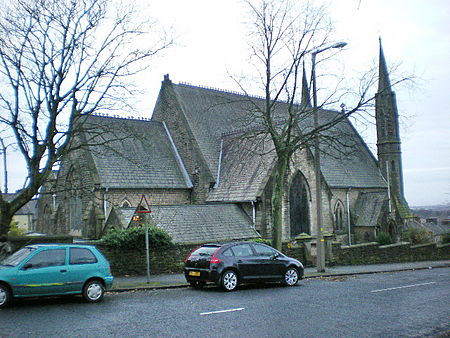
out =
column 127, row 283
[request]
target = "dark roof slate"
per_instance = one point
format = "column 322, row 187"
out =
column 369, row 207
column 130, row 153
column 28, row 209
column 125, row 214
column 204, row 223
column 243, row 171
column 345, row 159
column 213, row 114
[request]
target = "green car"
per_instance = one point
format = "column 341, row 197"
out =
column 55, row 269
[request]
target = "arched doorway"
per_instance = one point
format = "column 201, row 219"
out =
column 299, row 206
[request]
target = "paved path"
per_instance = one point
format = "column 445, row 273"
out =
column 124, row 283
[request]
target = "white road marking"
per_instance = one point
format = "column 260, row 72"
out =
column 402, row 287
column 221, row 311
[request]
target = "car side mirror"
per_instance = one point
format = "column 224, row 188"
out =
column 275, row 256
column 27, row 266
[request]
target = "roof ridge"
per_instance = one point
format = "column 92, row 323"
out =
column 221, row 90
column 119, row 117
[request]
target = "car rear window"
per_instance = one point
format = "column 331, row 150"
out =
column 206, row 251
column 82, row 256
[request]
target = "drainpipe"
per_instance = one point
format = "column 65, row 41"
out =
column 254, row 214
column 219, row 165
column 105, row 202
column 389, row 186
column 54, row 202
column 348, row 217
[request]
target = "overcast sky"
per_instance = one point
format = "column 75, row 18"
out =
column 211, row 44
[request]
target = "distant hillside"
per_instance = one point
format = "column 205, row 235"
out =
column 439, row 211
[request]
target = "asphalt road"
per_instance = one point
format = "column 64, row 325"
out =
column 413, row 303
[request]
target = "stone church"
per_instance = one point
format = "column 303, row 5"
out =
column 195, row 167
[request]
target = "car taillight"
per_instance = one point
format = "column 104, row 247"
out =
column 214, row 259
column 190, row 253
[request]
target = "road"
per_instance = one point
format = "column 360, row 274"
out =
column 413, row 303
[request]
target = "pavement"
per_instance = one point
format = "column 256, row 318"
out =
column 165, row 281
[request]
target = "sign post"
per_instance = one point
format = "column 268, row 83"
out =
column 141, row 210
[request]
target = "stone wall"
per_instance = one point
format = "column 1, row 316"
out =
column 373, row 253
column 134, row 262
column 18, row 242
column 171, row 259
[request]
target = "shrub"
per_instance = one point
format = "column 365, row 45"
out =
column 135, row 238
column 262, row 240
column 446, row 239
column 418, row 236
column 383, row 238
column 14, row 230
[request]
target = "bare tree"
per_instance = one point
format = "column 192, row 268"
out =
column 285, row 35
column 59, row 62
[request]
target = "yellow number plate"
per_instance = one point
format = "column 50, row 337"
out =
column 194, row 273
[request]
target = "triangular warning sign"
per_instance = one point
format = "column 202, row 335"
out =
column 141, row 209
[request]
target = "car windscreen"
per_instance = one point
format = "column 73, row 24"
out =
column 206, row 251
column 17, row 257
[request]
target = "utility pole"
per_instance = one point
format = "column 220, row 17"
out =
column 320, row 241
column 5, row 168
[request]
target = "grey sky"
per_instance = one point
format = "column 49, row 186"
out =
column 211, row 43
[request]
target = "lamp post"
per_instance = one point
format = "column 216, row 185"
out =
column 320, row 241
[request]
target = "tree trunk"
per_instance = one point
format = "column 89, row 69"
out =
column 277, row 202
column 5, row 220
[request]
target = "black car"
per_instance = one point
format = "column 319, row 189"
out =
column 231, row 264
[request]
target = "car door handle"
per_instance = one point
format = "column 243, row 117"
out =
column 62, row 270
column 239, row 260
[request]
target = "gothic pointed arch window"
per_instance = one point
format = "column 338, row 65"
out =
column 339, row 216
column 299, row 205
column 74, row 201
column 125, row 203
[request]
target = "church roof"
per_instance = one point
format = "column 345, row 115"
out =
column 204, row 223
column 212, row 115
column 369, row 208
column 28, row 209
column 244, row 168
column 129, row 153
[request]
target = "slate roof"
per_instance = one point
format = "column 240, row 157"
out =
column 204, row 223
column 124, row 215
column 130, row 153
column 345, row 159
column 212, row 115
column 369, row 207
column 28, row 209
column 244, row 170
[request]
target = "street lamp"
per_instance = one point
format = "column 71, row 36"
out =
column 320, row 241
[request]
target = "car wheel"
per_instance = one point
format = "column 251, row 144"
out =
column 290, row 276
column 197, row 284
column 5, row 295
column 93, row 291
column 229, row 280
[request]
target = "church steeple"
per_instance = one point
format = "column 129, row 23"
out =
column 384, row 84
column 388, row 136
column 306, row 100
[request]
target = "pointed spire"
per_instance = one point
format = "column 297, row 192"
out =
column 384, row 84
column 306, row 101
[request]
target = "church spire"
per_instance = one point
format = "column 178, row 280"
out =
column 388, row 135
column 306, row 101
column 384, row 84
